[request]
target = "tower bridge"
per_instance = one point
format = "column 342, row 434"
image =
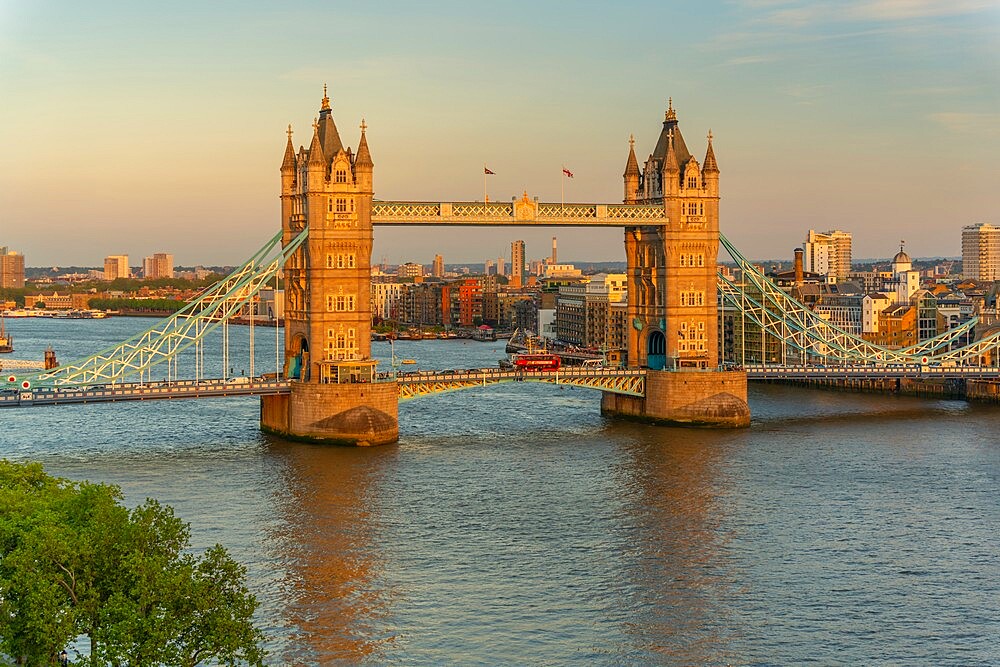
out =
column 326, row 386
column 670, row 219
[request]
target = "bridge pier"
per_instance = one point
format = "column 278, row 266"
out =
column 359, row 414
column 685, row 398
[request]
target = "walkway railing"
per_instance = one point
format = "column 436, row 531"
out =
column 519, row 212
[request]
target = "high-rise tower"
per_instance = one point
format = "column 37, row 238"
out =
column 517, row 264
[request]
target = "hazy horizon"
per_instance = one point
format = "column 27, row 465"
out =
column 134, row 129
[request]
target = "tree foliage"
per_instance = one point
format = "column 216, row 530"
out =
column 74, row 562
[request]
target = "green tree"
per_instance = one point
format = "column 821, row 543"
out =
column 74, row 562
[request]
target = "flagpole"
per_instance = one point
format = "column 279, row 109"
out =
column 562, row 189
column 484, row 184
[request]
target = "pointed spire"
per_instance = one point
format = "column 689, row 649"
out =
column 710, row 163
column 631, row 165
column 670, row 161
column 316, row 148
column 328, row 135
column 364, row 158
column 289, row 161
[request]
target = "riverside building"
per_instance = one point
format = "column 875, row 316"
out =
column 981, row 251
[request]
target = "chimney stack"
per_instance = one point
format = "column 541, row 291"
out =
column 553, row 260
column 798, row 266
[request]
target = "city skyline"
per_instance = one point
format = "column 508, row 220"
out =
column 825, row 116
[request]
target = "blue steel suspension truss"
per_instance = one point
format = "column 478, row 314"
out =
column 797, row 329
column 172, row 335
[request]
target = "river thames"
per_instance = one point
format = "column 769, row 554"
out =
column 514, row 525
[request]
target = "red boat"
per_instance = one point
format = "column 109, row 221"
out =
column 536, row 362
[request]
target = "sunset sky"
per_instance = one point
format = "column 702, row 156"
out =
column 159, row 127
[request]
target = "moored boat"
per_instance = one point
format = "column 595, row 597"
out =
column 6, row 341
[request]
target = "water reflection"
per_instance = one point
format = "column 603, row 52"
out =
column 682, row 578
column 326, row 541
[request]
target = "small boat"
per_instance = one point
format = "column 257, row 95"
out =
column 6, row 342
column 409, row 361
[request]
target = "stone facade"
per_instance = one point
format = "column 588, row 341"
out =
column 672, row 268
column 685, row 398
column 341, row 414
column 673, row 310
column 335, row 397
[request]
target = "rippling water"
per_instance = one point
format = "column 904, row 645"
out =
column 514, row 525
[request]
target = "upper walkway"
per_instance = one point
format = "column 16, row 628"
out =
column 522, row 211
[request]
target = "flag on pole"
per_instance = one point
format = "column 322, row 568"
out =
column 487, row 170
column 567, row 172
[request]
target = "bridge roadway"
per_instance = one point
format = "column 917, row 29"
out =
column 138, row 391
column 868, row 372
column 423, row 383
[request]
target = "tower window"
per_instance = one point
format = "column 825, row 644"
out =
column 692, row 181
column 341, row 205
column 341, row 176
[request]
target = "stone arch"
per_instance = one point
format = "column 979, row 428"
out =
column 298, row 362
column 656, row 350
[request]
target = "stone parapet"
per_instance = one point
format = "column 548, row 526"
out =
column 686, row 398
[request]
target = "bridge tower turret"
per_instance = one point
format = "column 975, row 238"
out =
column 673, row 293
column 631, row 174
column 337, row 395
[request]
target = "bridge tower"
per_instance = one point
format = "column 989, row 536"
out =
column 335, row 394
column 672, row 290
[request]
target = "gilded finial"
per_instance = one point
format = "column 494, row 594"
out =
column 316, row 124
column 671, row 114
column 631, row 141
column 289, row 131
column 709, row 136
column 326, row 100
column 364, row 125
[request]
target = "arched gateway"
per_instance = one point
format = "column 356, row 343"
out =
column 670, row 217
